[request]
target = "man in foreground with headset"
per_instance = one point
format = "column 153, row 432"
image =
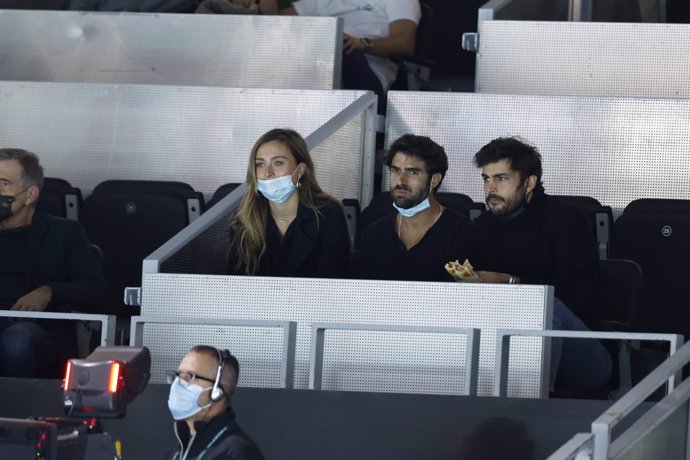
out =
column 199, row 402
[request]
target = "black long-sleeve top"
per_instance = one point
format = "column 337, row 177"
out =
column 548, row 243
column 314, row 246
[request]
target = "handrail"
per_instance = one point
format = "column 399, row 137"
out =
column 603, row 425
column 107, row 321
column 503, row 348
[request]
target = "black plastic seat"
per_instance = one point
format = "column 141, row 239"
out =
column 220, row 193
column 59, row 198
column 599, row 216
column 128, row 220
column 655, row 233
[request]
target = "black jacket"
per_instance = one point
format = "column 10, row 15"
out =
column 548, row 243
column 219, row 438
column 313, row 246
column 60, row 256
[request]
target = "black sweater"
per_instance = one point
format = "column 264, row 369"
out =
column 548, row 243
column 383, row 256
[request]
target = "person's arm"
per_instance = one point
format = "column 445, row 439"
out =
column 85, row 285
column 334, row 252
column 289, row 11
column 401, row 40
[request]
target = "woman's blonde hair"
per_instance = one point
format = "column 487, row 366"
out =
column 248, row 224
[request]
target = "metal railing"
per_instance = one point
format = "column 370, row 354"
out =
column 107, row 321
column 503, row 348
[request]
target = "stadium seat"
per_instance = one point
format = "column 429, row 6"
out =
column 621, row 287
column 655, row 233
column 600, row 217
column 128, row 220
column 59, row 198
column 221, row 193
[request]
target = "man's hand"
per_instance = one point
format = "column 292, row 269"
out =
column 489, row 277
column 36, row 300
column 351, row 43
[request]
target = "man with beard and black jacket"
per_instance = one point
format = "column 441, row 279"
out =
column 528, row 237
column 199, row 401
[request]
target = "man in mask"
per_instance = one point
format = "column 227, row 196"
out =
column 529, row 237
column 419, row 236
column 199, row 401
column 46, row 264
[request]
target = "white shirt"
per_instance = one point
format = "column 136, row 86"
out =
column 366, row 18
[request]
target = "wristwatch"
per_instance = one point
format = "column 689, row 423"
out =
column 368, row 44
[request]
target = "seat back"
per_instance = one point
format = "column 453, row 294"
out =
column 59, row 198
column 656, row 235
column 621, row 284
column 128, row 220
column 600, row 218
column 221, row 192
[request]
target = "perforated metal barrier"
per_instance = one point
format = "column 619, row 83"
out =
column 364, row 360
column 90, row 133
column 586, row 59
column 241, row 51
column 613, row 149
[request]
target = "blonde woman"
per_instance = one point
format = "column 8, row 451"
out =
column 285, row 224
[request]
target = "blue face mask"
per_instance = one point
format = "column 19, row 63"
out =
column 416, row 209
column 183, row 400
column 277, row 190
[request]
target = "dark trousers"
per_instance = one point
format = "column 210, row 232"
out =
column 28, row 350
column 358, row 75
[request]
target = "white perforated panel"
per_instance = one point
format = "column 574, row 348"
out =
column 584, row 58
column 613, row 149
column 202, row 136
column 426, row 363
column 239, row 51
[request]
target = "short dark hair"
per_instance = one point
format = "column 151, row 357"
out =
column 422, row 147
column 229, row 362
column 524, row 158
column 32, row 171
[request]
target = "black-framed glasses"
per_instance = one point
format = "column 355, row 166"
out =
column 187, row 377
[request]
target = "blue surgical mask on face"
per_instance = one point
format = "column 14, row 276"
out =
column 183, row 400
column 277, row 190
column 416, row 209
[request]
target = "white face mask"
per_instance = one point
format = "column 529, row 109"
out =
column 183, row 400
column 278, row 190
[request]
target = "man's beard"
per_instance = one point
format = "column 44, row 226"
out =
column 510, row 204
column 412, row 199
